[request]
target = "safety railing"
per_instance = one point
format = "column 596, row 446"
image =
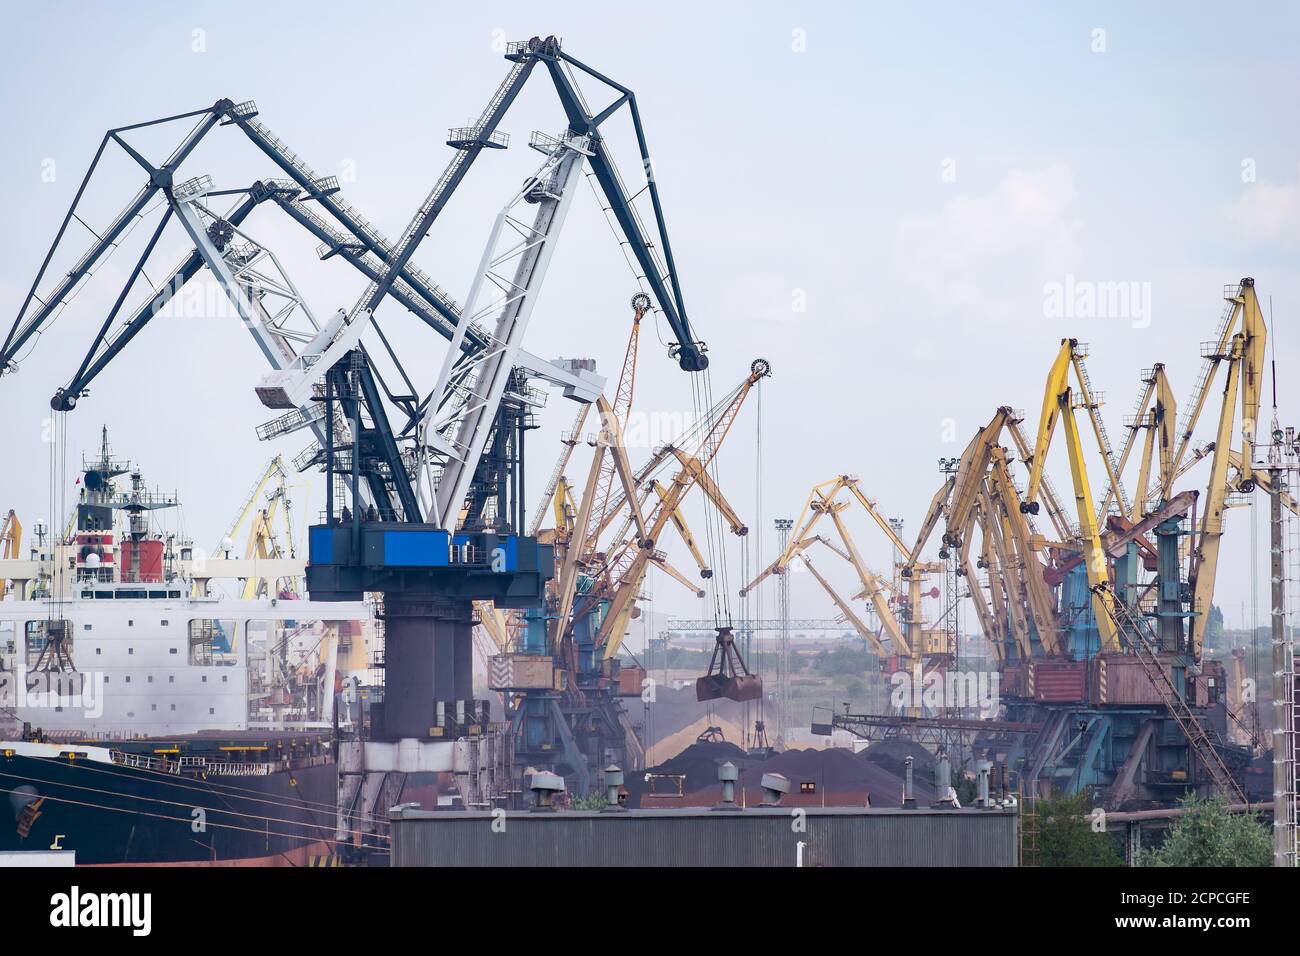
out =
column 463, row 136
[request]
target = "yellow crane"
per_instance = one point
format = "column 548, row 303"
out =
column 1156, row 415
column 262, row 541
column 275, row 468
column 1019, row 554
column 581, row 543
column 684, row 532
column 980, row 493
column 566, row 509
column 1242, row 316
column 1239, row 345
column 1245, row 355
column 581, row 520
column 622, row 404
column 11, row 542
column 1159, row 422
column 569, row 440
column 954, row 501
column 909, row 638
column 609, row 566
column 1059, row 406
column 625, row 591
column 11, row 537
column 576, row 538
column 991, row 609
column 1016, row 558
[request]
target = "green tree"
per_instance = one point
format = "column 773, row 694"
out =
column 1209, row 835
column 1066, row 836
column 592, row 801
column 967, row 789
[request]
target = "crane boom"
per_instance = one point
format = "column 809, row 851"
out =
column 622, row 405
column 458, row 424
column 1058, row 406
column 611, row 633
column 1205, row 559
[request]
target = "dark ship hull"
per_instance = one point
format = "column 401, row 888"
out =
column 170, row 814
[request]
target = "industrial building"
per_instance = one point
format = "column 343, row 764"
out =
column 754, row 837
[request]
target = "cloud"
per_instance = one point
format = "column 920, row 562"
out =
column 1267, row 211
column 967, row 257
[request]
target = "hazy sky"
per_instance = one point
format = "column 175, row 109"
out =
column 873, row 197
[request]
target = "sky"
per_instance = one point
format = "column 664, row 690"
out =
column 876, row 198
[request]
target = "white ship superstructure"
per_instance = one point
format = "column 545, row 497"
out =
column 117, row 631
column 112, row 666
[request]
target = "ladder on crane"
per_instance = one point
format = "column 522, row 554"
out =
column 1047, row 491
column 1285, row 806
column 318, row 188
column 463, row 404
column 416, row 293
column 1212, row 354
column 622, row 408
column 1286, row 811
column 468, row 141
column 568, row 439
column 1136, row 630
column 1093, row 400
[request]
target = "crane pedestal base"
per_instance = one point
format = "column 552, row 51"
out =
column 428, row 662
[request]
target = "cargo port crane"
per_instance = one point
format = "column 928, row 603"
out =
column 1244, row 352
column 430, row 474
column 457, row 422
column 11, row 546
column 1239, row 344
column 11, row 536
column 562, row 696
column 1096, row 626
column 264, row 503
column 1133, row 702
column 625, row 590
column 385, row 263
column 619, row 409
column 1059, row 406
column 355, row 239
column 981, row 494
column 904, row 639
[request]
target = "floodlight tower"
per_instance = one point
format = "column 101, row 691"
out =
column 1281, row 459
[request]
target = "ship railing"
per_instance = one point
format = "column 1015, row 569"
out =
column 222, row 768
column 145, row 762
column 189, row 763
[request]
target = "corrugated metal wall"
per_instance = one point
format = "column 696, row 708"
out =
column 753, row 837
column 1058, row 681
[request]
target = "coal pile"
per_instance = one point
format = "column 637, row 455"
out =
column 698, row 764
column 835, row 777
column 843, row 777
column 891, row 755
column 1258, row 777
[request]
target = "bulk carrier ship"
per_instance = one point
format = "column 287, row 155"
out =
column 145, row 720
